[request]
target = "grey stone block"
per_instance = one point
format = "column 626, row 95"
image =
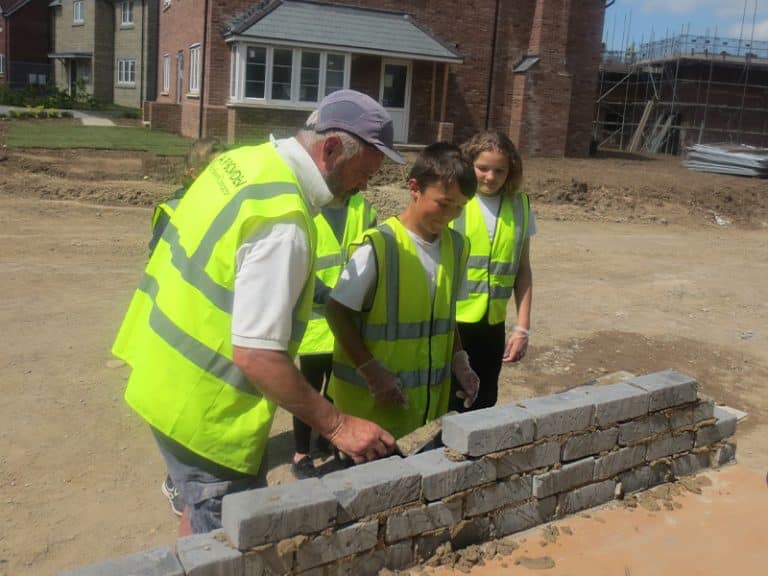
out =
column 642, row 428
column 468, row 532
column 569, row 476
column 338, row 544
column 366, row 564
column 373, row 487
column 516, row 518
column 635, row 480
column 586, row 497
column 482, row 500
column 560, row 413
column 616, row 402
column 666, row 389
column 414, row 521
column 155, row 562
column 661, row 472
column 680, row 418
column 441, row 476
column 525, row 458
column 688, row 464
column 725, row 426
column 704, row 410
column 208, row 555
column 271, row 559
column 669, row 444
column 591, row 443
column 722, row 455
column 614, row 462
column 488, row 430
column 424, row 546
column 399, row 556
column 271, row 514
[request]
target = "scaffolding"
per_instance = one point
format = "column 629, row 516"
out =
column 683, row 90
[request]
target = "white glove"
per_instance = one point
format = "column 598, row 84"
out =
column 468, row 379
column 384, row 386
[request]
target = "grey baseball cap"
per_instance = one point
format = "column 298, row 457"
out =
column 358, row 114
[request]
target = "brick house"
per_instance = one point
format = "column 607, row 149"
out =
column 241, row 69
column 24, row 43
column 106, row 47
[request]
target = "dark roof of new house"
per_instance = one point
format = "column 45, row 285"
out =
column 333, row 26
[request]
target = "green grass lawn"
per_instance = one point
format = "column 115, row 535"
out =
column 54, row 134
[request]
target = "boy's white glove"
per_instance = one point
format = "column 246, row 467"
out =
column 384, row 386
column 468, row 379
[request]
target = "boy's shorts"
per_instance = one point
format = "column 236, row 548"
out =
column 202, row 483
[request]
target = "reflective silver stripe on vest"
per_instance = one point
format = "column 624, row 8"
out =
column 192, row 268
column 329, row 261
column 192, row 349
column 481, row 287
column 407, row 330
column 411, row 379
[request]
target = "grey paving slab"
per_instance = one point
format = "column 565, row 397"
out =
column 155, row 562
column 342, row 542
column 525, row 458
column 441, row 476
column 612, row 463
column 270, row 514
column 669, row 444
column 560, row 413
column 688, row 464
column 590, row 443
column 642, row 428
column 516, row 518
column 209, row 555
column 586, row 497
column 666, row 389
column 615, row 402
column 635, row 480
column 484, row 499
column 724, row 426
column 414, row 521
column 569, row 476
column 488, row 430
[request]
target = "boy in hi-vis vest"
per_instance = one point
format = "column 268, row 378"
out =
column 393, row 310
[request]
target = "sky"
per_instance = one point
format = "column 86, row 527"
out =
column 664, row 18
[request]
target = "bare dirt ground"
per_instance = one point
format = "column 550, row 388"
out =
column 631, row 273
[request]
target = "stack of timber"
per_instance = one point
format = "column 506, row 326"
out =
column 740, row 160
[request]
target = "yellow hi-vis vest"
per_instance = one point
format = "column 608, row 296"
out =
column 176, row 335
column 408, row 336
column 330, row 257
column 492, row 268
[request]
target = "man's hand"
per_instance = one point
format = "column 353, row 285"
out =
column 517, row 345
column 384, row 386
column 361, row 440
column 468, row 379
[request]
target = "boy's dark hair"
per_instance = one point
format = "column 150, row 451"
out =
column 497, row 142
column 444, row 162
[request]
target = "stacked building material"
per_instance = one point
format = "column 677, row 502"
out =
column 738, row 159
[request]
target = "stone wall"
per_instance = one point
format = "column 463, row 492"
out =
column 504, row 469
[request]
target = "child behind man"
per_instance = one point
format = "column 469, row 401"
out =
column 393, row 309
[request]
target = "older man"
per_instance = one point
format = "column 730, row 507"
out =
column 212, row 330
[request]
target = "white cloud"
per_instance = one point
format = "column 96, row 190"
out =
column 761, row 30
column 702, row 8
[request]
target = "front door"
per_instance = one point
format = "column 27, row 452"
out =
column 396, row 95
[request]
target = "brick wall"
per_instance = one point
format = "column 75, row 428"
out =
column 508, row 468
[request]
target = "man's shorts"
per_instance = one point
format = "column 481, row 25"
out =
column 202, row 483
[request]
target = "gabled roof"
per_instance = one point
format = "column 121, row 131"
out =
column 8, row 7
column 335, row 26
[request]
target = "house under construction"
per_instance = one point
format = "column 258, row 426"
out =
column 681, row 91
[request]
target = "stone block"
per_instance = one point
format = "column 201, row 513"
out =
column 271, row 514
column 525, row 458
column 560, row 413
column 338, row 544
column 468, row 532
column 414, row 521
column 569, row 476
column 271, row 559
column 154, row 562
column 516, row 518
column 635, row 480
column 724, row 426
column 590, row 443
column 586, row 497
column 208, row 555
column 502, row 493
column 661, row 472
column 666, row 389
column 424, row 546
column 680, row 417
column 642, row 428
column 614, row 462
column 722, row 455
column 366, row 564
column 441, row 476
column 688, row 464
column 616, row 402
column 373, row 487
column 669, row 444
column 398, row 556
column 704, row 410
column 487, row 430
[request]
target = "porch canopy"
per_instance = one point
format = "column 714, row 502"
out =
column 349, row 28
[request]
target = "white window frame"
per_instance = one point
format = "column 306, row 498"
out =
column 166, row 73
column 238, row 74
column 2, row 64
column 126, row 72
column 126, row 11
column 194, row 69
column 78, row 11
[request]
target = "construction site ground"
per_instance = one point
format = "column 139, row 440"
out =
column 639, row 265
